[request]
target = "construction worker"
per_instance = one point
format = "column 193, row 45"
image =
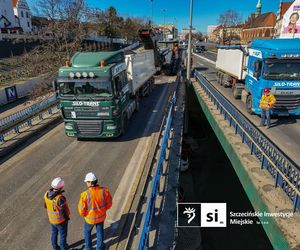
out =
column 58, row 213
column 92, row 206
column 266, row 104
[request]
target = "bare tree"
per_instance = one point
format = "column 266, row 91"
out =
column 66, row 18
column 197, row 36
column 228, row 20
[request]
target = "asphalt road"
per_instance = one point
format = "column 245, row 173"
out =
column 284, row 131
column 26, row 176
column 209, row 55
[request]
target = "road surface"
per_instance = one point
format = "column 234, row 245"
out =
column 26, row 176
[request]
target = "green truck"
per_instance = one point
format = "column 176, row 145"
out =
column 99, row 91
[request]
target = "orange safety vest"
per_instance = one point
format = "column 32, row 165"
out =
column 93, row 204
column 267, row 101
column 55, row 214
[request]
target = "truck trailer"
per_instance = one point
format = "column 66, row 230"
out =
column 99, row 91
column 266, row 63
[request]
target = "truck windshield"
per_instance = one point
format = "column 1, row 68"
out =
column 101, row 88
column 285, row 70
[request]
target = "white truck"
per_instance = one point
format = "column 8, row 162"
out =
column 231, row 63
column 140, row 68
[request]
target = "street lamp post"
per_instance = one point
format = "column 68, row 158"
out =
column 164, row 11
column 190, row 42
column 188, row 71
column 151, row 12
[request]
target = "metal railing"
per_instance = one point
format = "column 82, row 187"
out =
column 150, row 210
column 144, row 240
column 26, row 117
column 285, row 172
column 20, row 115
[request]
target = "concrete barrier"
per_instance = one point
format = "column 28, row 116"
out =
column 19, row 90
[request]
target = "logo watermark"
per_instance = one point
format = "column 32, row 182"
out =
column 215, row 215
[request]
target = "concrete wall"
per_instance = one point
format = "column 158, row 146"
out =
column 8, row 48
column 22, row 89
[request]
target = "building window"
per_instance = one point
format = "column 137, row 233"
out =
column 27, row 15
column 28, row 24
column 22, row 14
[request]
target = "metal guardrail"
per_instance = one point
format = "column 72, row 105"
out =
column 285, row 172
column 20, row 115
column 26, row 118
column 155, row 182
column 150, row 210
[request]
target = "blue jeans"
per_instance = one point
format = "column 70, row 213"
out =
column 88, row 237
column 62, row 230
column 265, row 117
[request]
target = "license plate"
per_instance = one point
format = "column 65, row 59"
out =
column 287, row 92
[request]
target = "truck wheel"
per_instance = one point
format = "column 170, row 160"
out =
column 249, row 104
column 137, row 104
column 236, row 93
column 221, row 79
column 218, row 77
column 124, row 125
column 152, row 84
column 148, row 89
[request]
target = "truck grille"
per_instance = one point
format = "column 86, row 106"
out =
column 287, row 103
column 89, row 128
column 80, row 114
column 84, row 112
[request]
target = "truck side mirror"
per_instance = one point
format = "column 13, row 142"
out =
column 54, row 85
column 257, row 68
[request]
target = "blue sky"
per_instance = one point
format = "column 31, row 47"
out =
column 206, row 12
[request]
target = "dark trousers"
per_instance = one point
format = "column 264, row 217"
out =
column 62, row 230
column 265, row 117
column 88, row 237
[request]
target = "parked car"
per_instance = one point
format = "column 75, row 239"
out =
column 198, row 49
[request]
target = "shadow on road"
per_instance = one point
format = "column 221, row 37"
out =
column 284, row 121
column 117, row 232
column 139, row 121
column 13, row 104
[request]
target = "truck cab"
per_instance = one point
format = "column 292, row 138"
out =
column 93, row 90
column 274, row 64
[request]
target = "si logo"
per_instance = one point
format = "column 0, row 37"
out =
column 201, row 215
column 213, row 215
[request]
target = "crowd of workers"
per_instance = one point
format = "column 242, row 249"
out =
column 92, row 205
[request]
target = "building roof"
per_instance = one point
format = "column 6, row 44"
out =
column 264, row 20
column 284, row 7
column 15, row 2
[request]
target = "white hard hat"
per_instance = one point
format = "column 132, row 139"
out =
column 58, row 183
column 90, row 177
